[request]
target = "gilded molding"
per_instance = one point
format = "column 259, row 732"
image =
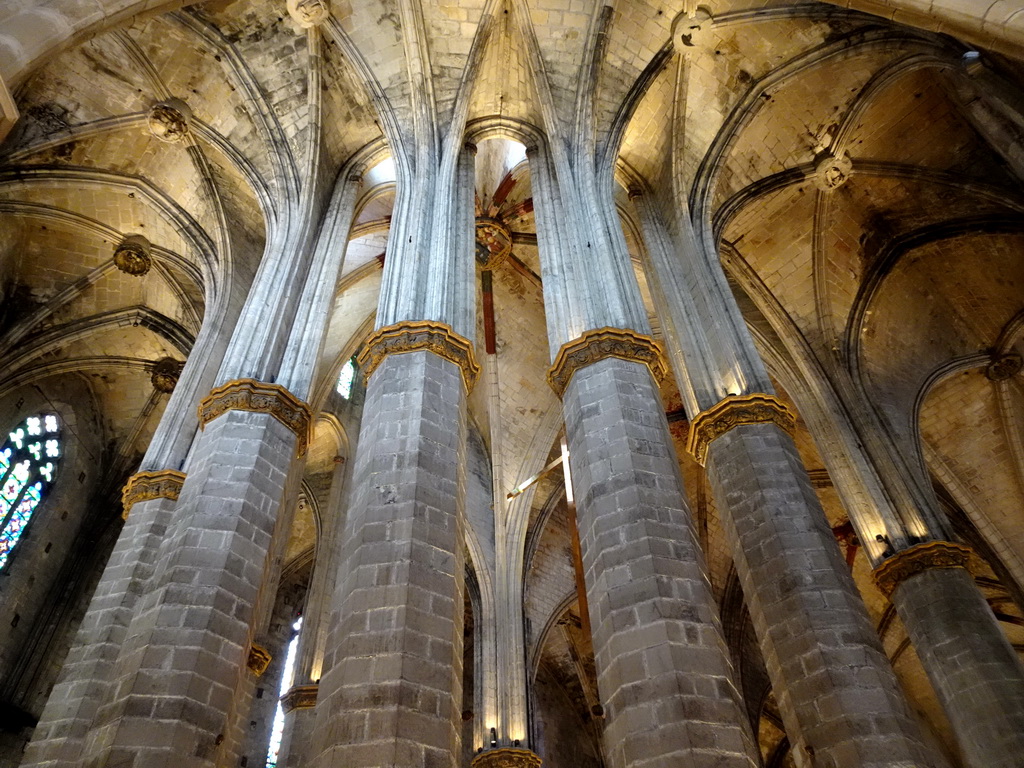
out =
column 416, row 336
column 735, row 411
column 259, row 659
column 506, row 757
column 143, row 486
column 259, row 397
column 602, row 343
column 917, row 559
column 299, row 697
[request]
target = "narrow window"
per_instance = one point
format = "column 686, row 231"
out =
column 28, row 467
column 286, row 682
column 345, row 379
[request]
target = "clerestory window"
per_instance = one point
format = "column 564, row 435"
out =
column 345, row 378
column 28, row 468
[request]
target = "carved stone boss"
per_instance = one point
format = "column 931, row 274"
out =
column 143, row 486
column 736, row 411
column 416, row 336
column 599, row 344
column 917, row 559
column 259, row 397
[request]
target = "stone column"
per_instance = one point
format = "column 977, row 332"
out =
column 663, row 668
column 840, row 700
column 190, row 641
column 391, row 689
column 976, row 673
column 86, row 676
column 173, row 677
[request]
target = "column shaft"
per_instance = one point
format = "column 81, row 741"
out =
column 85, row 678
column 663, row 669
column 840, row 700
column 391, row 692
column 972, row 666
column 838, row 695
column 181, row 662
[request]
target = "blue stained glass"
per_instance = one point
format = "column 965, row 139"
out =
column 18, row 520
column 12, row 485
column 25, row 477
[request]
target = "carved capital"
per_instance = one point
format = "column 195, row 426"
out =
column 602, row 343
column 299, row 697
column 416, row 336
column 506, row 757
column 258, row 660
column 143, row 486
column 259, row 397
column 735, row 411
column 917, row 559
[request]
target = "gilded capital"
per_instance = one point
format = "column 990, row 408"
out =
column 259, row 397
column 143, row 486
column 602, row 343
column 736, row 411
column 299, row 697
column 417, row 336
column 258, row 660
column 917, row 559
column 506, row 757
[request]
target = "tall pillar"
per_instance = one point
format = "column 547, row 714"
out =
column 148, row 503
column 662, row 665
column 840, row 700
column 976, row 673
column 168, row 688
column 391, row 689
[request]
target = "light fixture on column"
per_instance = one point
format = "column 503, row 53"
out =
column 494, row 737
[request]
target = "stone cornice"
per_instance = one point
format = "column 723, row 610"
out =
column 735, row 411
column 299, row 697
column 602, row 343
column 143, row 486
column 259, row 397
column 416, row 336
column 506, row 757
column 917, row 559
column 258, row 659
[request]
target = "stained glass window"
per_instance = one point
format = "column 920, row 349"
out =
column 277, row 731
column 28, row 466
column 345, row 378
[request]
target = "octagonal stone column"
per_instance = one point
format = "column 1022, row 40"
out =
column 391, row 691
column 392, row 687
column 841, row 703
column 662, row 664
column 976, row 673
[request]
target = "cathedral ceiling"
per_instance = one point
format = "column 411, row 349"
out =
column 903, row 273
